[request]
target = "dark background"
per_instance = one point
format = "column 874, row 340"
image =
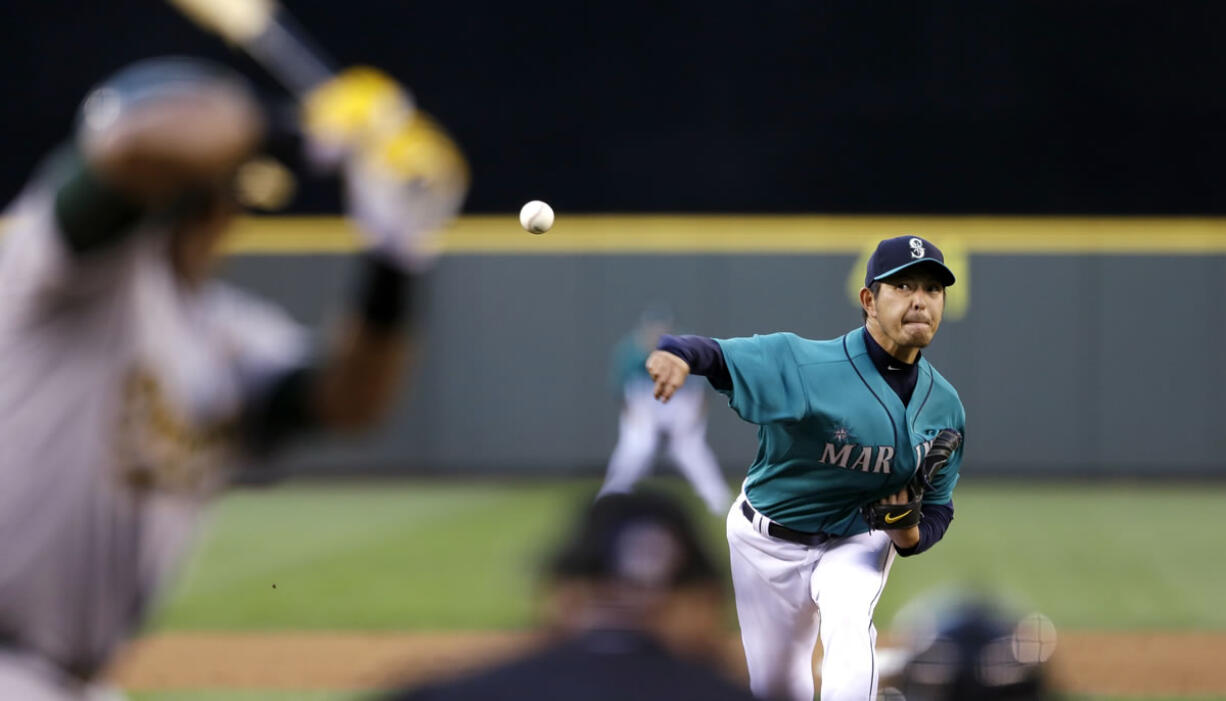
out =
column 1082, row 361
column 1009, row 106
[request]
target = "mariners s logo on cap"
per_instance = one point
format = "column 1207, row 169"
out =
column 901, row 252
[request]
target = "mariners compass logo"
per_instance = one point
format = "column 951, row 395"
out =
column 917, row 247
column 841, row 435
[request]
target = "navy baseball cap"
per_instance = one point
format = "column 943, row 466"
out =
column 901, row 252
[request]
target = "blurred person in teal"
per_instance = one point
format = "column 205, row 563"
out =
column 643, row 421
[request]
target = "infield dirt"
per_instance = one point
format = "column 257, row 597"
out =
column 1126, row 663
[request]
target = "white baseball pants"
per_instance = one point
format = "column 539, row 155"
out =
column 643, row 420
column 787, row 594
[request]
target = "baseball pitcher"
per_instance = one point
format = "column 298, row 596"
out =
column 131, row 383
column 860, row 442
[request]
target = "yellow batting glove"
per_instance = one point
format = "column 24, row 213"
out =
column 402, row 190
column 420, row 150
column 359, row 106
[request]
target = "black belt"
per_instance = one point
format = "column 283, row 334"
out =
column 782, row 532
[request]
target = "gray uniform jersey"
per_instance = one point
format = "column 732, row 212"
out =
column 120, row 392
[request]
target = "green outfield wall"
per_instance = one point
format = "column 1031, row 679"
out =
column 1080, row 346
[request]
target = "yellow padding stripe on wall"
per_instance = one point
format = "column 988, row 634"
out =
column 742, row 234
column 753, row 234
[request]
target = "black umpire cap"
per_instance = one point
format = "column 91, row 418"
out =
column 901, row 252
column 642, row 539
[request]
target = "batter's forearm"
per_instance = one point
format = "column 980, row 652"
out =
column 357, row 382
column 702, row 354
column 362, row 376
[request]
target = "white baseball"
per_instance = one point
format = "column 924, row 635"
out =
column 536, row 217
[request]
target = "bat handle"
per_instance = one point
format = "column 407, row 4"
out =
column 288, row 55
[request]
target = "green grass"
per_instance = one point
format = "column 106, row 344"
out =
column 371, row 556
column 436, row 555
column 439, row 555
column 1117, row 556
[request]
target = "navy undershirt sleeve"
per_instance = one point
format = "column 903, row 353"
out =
column 703, row 355
column 932, row 528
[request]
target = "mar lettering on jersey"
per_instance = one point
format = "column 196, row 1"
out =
column 878, row 459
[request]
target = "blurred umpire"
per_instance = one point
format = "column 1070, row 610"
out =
column 131, row 384
column 635, row 604
column 970, row 646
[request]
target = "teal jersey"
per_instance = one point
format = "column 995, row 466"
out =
column 832, row 434
column 629, row 363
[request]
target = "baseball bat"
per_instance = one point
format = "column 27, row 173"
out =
column 267, row 33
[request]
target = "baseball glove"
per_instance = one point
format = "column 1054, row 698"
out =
column 888, row 517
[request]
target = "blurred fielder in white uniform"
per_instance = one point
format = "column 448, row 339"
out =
column 132, row 385
column 644, row 420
